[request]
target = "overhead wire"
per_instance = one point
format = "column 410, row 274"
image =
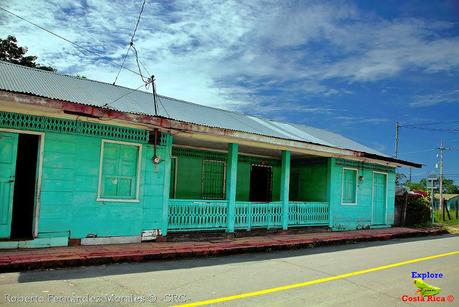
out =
column 416, row 151
column 85, row 50
column 131, row 43
column 429, row 123
column 80, row 48
column 122, row 96
column 447, row 130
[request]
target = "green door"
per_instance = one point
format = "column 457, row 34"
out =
column 8, row 151
column 379, row 198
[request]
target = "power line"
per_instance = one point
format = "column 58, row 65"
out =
column 448, row 130
column 77, row 46
column 124, row 95
column 416, row 151
column 161, row 103
column 429, row 123
column 146, row 80
column 131, row 43
column 122, row 65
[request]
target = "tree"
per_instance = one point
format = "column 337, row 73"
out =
column 11, row 52
column 449, row 187
column 415, row 186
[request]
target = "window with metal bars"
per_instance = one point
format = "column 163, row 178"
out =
column 213, row 179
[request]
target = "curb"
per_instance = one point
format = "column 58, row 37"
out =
column 225, row 248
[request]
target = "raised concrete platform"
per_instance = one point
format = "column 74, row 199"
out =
column 22, row 259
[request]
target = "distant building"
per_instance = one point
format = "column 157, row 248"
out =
column 88, row 162
column 452, row 200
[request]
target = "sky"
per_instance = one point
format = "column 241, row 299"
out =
column 352, row 67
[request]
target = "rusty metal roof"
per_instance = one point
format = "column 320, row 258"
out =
column 20, row 79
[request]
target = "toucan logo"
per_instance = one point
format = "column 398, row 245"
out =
column 425, row 289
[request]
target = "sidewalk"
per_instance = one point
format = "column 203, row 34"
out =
column 20, row 259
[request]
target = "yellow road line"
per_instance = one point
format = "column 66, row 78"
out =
column 314, row 282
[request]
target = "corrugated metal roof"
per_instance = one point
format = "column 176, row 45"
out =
column 27, row 80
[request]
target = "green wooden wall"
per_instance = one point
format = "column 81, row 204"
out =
column 346, row 216
column 69, row 191
column 308, row 180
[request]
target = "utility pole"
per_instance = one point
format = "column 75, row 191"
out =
column 441, row 148
column 397, row 126
column 153, row 85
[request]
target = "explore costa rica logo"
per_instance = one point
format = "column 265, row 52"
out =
column 427, row 292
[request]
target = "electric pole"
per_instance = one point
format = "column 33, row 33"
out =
column 442, row 149
column 397, row 126
column 153, row 87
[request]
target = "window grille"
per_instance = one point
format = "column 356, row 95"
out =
column 173, row 185
column 213, row 179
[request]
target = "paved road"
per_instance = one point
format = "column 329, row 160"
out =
column 194, row 280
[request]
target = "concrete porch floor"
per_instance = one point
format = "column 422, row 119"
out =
column 27, row 259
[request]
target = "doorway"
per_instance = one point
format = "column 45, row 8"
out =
column 18, row 179
column 25, row 186
column 261, row 183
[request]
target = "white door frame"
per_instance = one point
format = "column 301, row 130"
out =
column 41, row 145
column 373, row 196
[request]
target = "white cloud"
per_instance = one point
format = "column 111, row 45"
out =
column 435, row 99
column 355, row 120
column 229, row 54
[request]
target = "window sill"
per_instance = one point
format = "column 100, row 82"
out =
column 117, row 200
column 348, row 204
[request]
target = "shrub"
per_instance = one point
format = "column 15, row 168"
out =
column 418, row 211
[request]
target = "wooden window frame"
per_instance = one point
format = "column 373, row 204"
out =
column 356, row 186
column 139, row 160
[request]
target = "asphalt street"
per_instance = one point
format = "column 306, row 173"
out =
column 382, row 276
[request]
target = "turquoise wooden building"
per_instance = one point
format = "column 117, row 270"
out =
column 88, row 162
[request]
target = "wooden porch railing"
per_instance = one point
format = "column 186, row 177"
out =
column 187, row 214
column 307, row 213
column 212, row 214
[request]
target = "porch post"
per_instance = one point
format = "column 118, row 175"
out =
column 285, row 185
column 231, row 176
column 333, row 190
column 167, row 184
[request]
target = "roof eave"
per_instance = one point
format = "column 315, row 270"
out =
column 185, row 127
column 392, row 160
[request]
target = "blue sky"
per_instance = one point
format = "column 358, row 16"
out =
column 354, row 67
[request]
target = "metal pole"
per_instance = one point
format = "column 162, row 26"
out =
column 432, row 204
column 154, row 94
column 397, row 126
column 441, row 179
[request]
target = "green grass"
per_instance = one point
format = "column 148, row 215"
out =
column 439, row 219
